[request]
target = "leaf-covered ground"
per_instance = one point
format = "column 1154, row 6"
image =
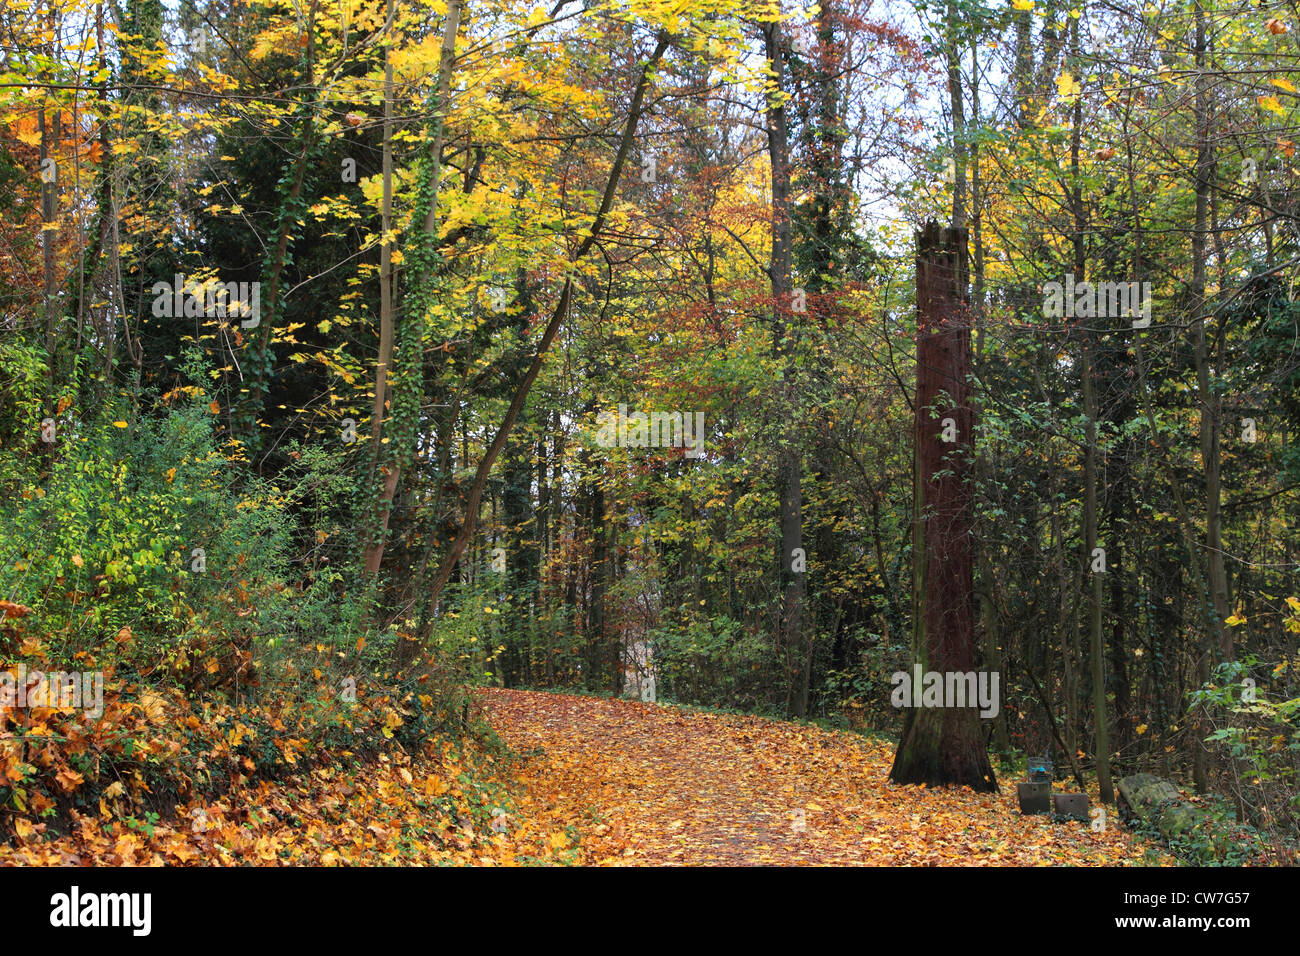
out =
column 434, row 808
column 647, row 784
column 591, row 781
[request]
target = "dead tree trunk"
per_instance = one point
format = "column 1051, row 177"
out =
column 943, row 745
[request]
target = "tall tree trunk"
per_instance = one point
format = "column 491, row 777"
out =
column 942, row 745
column 1097, row 660
column 1069, row 629
column 406, row 384
column 1095, row 651
column 384, row 364
column 988, row 580
column 1218, row 640
column 831, row 208
column 976, row 201
column 958, row 107
column 603, row 658
column 1022, row 71
column 791, row 559
column 1209, row 402
column 50, row 231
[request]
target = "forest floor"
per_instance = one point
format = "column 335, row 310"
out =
column 645, row 784
column 592, row 781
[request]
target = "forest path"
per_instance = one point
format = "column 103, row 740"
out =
column 651, row 784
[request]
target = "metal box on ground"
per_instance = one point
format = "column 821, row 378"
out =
column 1035, row 796
column 1071, row 805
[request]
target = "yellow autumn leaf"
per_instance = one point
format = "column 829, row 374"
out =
column 1023, row 4
column 1235, row 620
column 1067, row 86
column 1272, row 104
column 1140, row 729
column 1284, row 85
column 152, row 705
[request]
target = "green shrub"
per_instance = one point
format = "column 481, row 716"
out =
column 713, row 661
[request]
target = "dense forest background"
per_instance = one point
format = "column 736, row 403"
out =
column 473, row 227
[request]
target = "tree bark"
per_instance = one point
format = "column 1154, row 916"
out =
column 943, row 745
column 793, row 584
column 384, row 364
column 1209, row 402
column 1096, row 658
column 414, row 336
